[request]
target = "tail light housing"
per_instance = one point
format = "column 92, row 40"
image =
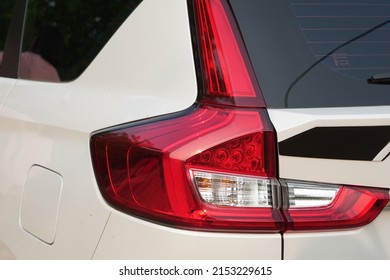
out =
column 227, row 74
column 177, row 170
column 315, row 206
column 214, row 166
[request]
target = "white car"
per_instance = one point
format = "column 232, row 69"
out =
column 194, row 129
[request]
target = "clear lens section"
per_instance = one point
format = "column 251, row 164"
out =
column 310, row 195
column 235, row 191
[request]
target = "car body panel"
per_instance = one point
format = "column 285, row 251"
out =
column 290, row 122
column 6, row 85
column 147, row 69
column 127, row 237
column 49, row 125
column 369, row 242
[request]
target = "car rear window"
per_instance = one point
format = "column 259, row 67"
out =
column 313, row 53
column 363, row 26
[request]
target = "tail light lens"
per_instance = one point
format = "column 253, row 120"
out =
column 320, row 206
column 177, row 171
column 233, row 190
column 213, row 167
column 227, row 73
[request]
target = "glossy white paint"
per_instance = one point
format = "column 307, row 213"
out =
column 128, row 238
column 145, row 70
column 289, row 122
column 5, row 87
column 41, row 203
column 369, row 242
column 81, row 217
column 294, row 121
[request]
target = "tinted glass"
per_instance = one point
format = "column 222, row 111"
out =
column 312, row 53
column 62, row 37
column 6, row 9
column 327, row 25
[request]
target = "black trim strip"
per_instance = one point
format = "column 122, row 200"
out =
column 10, row 66
column 345, row 143
column 386, row 156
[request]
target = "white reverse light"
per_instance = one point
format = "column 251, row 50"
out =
column 233, row 190
column 310, row 194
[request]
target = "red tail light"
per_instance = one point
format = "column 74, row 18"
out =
column 213, row 166
column 227, row 73
column 148, row 169
column 347, row 207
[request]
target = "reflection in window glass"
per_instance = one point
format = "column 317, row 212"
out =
column 62, row 37
column 6, row 9
column 328, row 24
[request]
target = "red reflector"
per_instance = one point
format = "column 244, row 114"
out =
column 227, row 72
column 142, row 169
column 243, row 155
column 352, row 207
